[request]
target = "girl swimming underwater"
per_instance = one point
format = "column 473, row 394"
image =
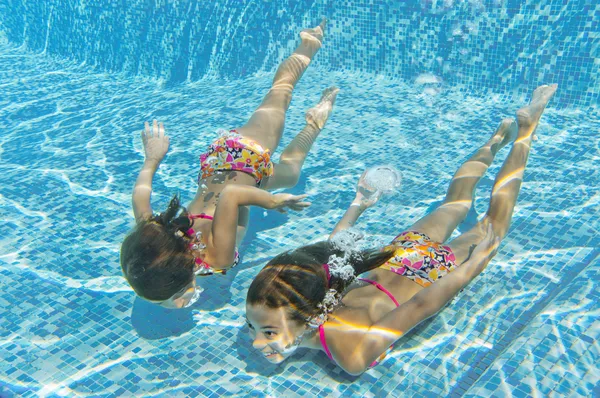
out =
column 162, row 255
column 310, row 297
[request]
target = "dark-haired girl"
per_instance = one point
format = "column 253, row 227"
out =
column 162, row 255
column 311, row 298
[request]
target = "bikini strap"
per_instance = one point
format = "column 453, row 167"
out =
column 326, row 268
column 201, row 215
column 324, row 342
column 383, row 289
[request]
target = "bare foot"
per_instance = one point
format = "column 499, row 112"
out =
column 314, row 35
column 529, row 116
column 319, row 114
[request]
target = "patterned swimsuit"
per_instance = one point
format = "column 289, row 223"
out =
column 420, row 259
column 417, row 258
column 235, row 152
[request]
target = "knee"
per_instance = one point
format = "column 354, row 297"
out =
column 499, row 227
column 289, row 172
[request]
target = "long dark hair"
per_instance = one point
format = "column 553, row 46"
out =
column 296, row 280
column 155, row 258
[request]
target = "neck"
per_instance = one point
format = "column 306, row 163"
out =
column 311, row 339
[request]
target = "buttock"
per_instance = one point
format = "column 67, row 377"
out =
column 234, row 152
column 420, row 259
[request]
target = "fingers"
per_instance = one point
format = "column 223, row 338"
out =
column 297, row 204
column 157, row 130
column 300, row 205
column 376, row 196
column 490, row 230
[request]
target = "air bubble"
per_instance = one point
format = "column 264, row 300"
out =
column 384, row 179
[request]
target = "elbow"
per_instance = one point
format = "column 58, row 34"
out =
column 355, row 364
column 233, row 196
column 228, row 190
column 355, row 369
column 228, row 195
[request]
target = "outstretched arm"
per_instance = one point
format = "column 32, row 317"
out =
column 421, row 306
column 224, row 227
column 365, row 198
column 156, row 145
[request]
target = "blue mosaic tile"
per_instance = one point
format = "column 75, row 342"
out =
column 72, row 326
column 498, row 46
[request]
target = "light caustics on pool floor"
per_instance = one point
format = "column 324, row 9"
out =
column 69, row 154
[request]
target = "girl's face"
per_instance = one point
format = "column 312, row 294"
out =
column 272, row 333
column 183, row 298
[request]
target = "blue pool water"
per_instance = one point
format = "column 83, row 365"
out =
column 78, row 79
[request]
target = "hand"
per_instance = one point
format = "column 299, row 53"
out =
column 294, row 202
column 485, row 250
column 156, row 143
column 365, row 195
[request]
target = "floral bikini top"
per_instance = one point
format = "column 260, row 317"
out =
column 205, row 268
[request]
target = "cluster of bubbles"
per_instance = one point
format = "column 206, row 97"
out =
column 429, row 83
column 383, row 179
column 380, row 180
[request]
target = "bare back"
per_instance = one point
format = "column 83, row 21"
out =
column 365, row 304
column 207, row 197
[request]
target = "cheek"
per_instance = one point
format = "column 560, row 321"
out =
column 278, row 343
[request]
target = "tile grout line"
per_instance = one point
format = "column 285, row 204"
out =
column 468, row 380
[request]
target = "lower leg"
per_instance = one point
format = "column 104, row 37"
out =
column 287, row 171
column 465, row 180
column 267, row 122
column 439, row 224
column 508, row 181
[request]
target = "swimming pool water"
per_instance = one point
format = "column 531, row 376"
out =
column 69, row 154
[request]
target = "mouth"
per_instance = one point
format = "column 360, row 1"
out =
column 270, row 354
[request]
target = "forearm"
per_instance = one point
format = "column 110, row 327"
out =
column 143, row 189
column 246, row 195
column 349, row 218
column 422, row 305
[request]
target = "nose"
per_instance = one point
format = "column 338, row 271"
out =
column 259, row 342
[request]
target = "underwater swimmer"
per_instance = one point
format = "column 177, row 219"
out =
column 310, row 297
column 162, row 255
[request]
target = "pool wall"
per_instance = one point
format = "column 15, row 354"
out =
column 502, row 46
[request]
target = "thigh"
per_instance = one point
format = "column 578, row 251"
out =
column 266, row 124
column 463, row 245
column 440, row 223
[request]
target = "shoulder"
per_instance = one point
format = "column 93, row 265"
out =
column 345, row 343
column 144, row 217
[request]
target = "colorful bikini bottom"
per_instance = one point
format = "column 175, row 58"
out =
column 236, row 153
column 420, row 259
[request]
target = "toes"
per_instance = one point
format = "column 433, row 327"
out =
column 322, row 25
column 330, row 94
column 315, row 33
